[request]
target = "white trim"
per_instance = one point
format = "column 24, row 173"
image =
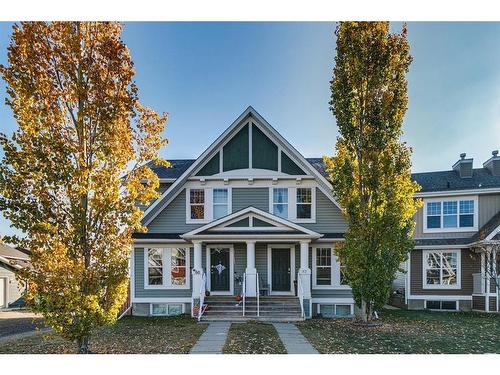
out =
column 270, row 268
column 457, row 229
column 456, row 192
column 441, row 286
column 292, row 203
column 351, row 305
column 132, row 274
column 5, row 280
column 161, row 300
column 139, row 243
column 166, row 268
column 438, row 247
column 442, row 298
column 250, row 144
column 334, row 270
column 230, row 292
column 492, row 234
column 183, row 307
column 333, row 300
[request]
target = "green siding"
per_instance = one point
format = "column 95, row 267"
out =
column 246, row 197
column 261, row 262
column 261, row 223
column 329, row 218
column 235, row 152
column 212, row 166
column 264, row 151
column 289, row 167
column 241, row 223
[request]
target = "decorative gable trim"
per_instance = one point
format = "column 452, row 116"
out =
column 217, row 146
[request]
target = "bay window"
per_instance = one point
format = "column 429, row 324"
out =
column 446, row 215
column 167, row 267
column 441, row 269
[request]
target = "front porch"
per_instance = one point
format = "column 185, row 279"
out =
column 486, row 290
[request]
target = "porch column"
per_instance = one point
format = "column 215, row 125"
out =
column 304, row 270
column 197, row 269
column 251, row 271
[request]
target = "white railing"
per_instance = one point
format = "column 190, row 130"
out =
column 477, row 283
column 300, row 292
column 202, row 296
column 257, row 291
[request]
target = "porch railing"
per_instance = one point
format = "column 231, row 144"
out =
column 244, row 291
column 478, row 283
column 257, row 291
column 201, row 310
column 301, row 294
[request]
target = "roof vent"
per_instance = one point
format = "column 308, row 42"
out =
column 463, row 166
column 493, row 163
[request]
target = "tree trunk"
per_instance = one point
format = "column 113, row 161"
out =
column 366, row 311
column 83, row 345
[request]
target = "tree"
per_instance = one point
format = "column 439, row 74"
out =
column 75, row 168
column 370, row 171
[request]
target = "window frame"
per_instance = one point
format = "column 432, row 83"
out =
column 334, row 269
column 442, row 229
column 334, row 304
column 166, row 251
column 227, row 204
column 208, row 205
column 425, row 254
column 292, row 202
column 183, row 308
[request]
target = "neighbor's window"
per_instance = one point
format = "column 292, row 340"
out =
column 280, row 202
column 450, row 214
column 323, row 266
column 167, row 267
column 220, row 202
column 197, row 203
column 304, row 203
column 441, row 268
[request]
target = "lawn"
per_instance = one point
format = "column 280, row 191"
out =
column 129, row 335
column 404, row 331
column 253, row 338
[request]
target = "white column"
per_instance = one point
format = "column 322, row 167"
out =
column 251, row 271
column 304, row 270
column 197, row 269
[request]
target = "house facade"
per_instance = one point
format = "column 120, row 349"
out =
column 252, row 217
column 11, row 289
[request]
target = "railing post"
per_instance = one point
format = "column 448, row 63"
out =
column 304, row 272
column 197, row 273
column 251, row 271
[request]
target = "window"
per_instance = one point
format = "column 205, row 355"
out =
column 166, row 309
column 280, row 202
column 304, row 203
column 323, row 266
column 450, row 215
column 441, row 305
column 220, row 200
column 336, row 310
column 197, row 204
column 441, row 269
column 167, row 267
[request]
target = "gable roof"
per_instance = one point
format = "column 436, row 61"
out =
column 157, row 206
column 14, row 257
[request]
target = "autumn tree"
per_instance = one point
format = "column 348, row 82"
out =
column 75, row 168
column 370, row 170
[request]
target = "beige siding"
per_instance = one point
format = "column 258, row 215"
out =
column 470, row 263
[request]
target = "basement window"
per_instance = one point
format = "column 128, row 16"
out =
column 441, row 305
column 336, row 310
column 166, row 309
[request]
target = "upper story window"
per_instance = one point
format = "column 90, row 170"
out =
column 327, row 270
column 167, row 267
column 220, row 203
column 441, row 269
column 304, row 203
column 455, row 215
column 280, row 202
column 197, row 204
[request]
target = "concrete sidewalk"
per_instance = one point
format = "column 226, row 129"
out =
column 294, row 341
column 213, row 339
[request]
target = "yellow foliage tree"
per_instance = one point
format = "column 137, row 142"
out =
column 76, row 167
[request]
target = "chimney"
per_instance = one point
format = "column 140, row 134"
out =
column 463, row 166
column 493, row 164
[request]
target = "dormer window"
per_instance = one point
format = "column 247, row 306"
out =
column 450, row 215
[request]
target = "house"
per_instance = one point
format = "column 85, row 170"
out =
column 457, row 255
column 11, row 289
column 252, row 217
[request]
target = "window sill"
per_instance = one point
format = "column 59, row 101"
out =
column 441, row 287
column 164, row 287
column 450, row 230
column 331, row 287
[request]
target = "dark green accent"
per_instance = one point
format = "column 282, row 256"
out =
column 280, row 259
column 264, row 151
column 261, row 223
column 212, row 166
column 242, row 223
column 289, row 167
column 219, row 281
column 235, row 152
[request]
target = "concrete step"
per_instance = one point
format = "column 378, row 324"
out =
column 207, row 318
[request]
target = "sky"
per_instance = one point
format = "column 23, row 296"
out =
column 206, row 74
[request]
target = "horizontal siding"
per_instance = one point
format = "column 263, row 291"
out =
column 470, row 263
column 261, row 263
column 489, row 206
column 15, row 289
column 246, row 197
column 329, row 218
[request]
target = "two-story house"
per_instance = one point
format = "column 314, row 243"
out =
column 252, row 217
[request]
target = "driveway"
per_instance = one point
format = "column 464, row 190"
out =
column 13, row 322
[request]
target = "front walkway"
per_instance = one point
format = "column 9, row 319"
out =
column 213, row 339
column 294, row 341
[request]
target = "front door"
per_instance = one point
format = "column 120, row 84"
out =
column 219, row 269
column 280, row 270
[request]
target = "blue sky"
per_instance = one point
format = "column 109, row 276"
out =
column 206, row 74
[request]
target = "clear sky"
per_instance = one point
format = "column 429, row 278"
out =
column 206, row 74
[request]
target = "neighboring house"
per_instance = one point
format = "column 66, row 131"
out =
column 457, row 252
column 11, row 290
column 252, row 207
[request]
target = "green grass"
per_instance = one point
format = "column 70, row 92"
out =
column 403, row 331
column 129, row 335
column 253, row 338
